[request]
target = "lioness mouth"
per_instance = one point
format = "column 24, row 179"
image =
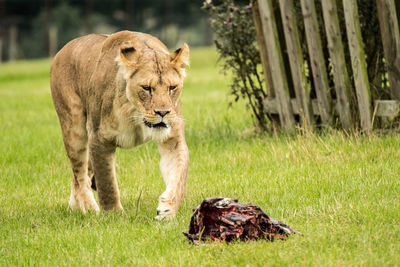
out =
column 157, row 125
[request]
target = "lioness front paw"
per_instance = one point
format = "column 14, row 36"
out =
column 165, row 210
column 83, row 201
column 165, row 214
column 167, row 206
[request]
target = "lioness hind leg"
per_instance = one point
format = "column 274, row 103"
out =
column 102, row 157
column 77, row 148
column 73, row 125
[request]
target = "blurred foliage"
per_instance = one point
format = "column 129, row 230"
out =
column 173, row 21
column 69, row 22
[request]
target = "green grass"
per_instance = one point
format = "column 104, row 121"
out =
column 341, row 192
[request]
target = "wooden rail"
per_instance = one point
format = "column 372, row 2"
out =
column 382, row 108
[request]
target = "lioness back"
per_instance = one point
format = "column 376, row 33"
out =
column 75, row 62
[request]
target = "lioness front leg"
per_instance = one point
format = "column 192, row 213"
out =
column 103, row 162
column 174, row 168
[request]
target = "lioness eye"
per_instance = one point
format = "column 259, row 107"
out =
column 172, row 87
column 146, row 87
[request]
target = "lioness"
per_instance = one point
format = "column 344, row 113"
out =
column 120, row 90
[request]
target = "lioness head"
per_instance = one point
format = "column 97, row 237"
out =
column 154, row 79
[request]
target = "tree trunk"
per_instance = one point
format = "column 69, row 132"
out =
column 88, row 16
column 13, row 45
column 53, row 40
column 2, row 32
column 129, row 8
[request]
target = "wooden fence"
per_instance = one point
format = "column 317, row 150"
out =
column 289, row 82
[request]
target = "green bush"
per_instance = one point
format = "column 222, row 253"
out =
column 237, row 46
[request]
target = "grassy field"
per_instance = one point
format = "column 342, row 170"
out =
column 342, row 192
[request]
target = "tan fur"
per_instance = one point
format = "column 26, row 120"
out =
column 96, row 84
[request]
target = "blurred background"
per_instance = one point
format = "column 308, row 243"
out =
column 39, row 28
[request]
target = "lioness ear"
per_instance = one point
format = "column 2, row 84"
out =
column 180, row 57
column 128, row 54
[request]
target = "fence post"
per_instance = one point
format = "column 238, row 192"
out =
column 317, row 60
column 391, row 43
column 336, row 52
column 276, row 62
column 263, row 49
column 358, row 63
column 296, row 62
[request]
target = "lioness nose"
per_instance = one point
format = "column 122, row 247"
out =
column 162, row 113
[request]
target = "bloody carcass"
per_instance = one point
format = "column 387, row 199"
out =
column 227, row 220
